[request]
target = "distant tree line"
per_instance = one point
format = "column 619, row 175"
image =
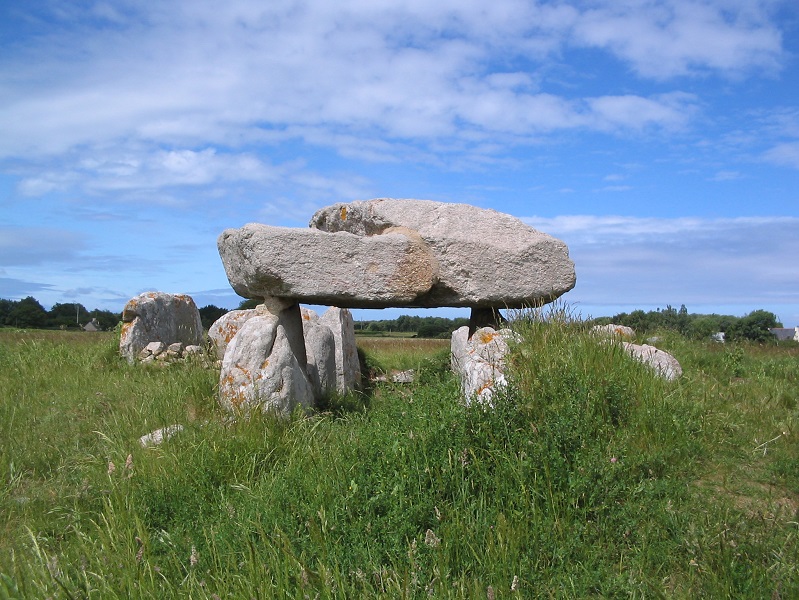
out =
column 754, row 326
column 427, row 327
column 28, row 313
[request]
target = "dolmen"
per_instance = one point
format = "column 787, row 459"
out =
column 371, row 254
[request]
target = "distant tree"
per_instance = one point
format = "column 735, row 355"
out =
column 250, row 303
column 704, row 326
column 67, row 315
column 431, row 329
column 754, row 326
column 439, row 327
column 209, row 314
column 28, row 313
column 683, row 321
column 6, row 306
column 106, row 318
column 407, row 323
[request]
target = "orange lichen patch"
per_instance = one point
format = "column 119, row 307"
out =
column 485, row 337
column 229, row 331
column 234, row 393
column 265, row 364
column 237, row 399
column 306, row 316
column 487, row 385
column 129, row 312
column 343, row 213
column 126, row 329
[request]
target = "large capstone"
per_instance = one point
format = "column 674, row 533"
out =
column 400, row 253
column 484, row 258
column 315, row 267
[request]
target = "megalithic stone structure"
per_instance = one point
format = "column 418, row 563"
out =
column 397, row 253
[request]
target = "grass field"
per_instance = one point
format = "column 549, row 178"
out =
column 589, row 478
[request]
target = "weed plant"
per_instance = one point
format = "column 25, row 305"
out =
column 589, row 477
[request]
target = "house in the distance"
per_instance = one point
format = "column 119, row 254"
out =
column 785, row 333
column 93, row 325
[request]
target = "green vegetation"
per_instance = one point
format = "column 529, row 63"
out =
column 589, row 478
column 209, row 314
column 425, row 327
column 28, row 313
column 753, row 326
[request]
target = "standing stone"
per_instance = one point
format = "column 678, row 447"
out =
column 159, row 317
column 320, row 347
column 479, row 361
column 348, row 367
column 226, row 327
column 264, row 367
column 458, row 349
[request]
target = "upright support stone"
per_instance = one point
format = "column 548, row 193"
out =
column 290, row 317
column 485, row 317
column 265, row 364
column 348, row 367
column 225, row 328
column 479, row 361
column 320, row 346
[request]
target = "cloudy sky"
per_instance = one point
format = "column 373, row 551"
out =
column 658, row 138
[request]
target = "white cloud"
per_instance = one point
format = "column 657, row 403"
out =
column 636, row 112
column 726, row 176
column 632, row 260
column 786, row 154
column 616, row 188
column 184, row 75
column 148, row 175
column 35, row 245
column 684, row 37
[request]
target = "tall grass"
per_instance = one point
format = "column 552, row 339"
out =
column 590, row 477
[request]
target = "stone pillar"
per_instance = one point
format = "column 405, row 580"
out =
column 265, row 364
column 290, row 317
column 485, row 317
column 348, row 367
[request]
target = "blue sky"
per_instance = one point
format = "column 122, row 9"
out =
column 658, row 139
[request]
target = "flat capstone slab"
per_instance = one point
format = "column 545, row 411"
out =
column 400, row 253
